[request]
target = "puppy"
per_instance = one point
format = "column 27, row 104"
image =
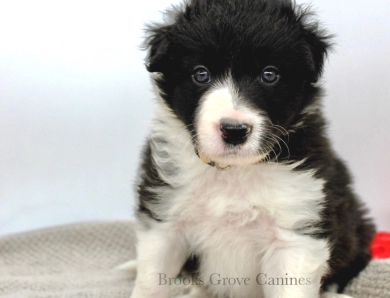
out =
column 238, row 178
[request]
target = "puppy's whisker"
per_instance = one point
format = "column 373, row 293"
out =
column 282, row 130
column 278, row 138
column 272, row 138
column 275, row 141
column 270, row 149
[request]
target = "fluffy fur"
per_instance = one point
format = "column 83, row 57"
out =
column 284, row 207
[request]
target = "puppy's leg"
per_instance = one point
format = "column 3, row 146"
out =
column 331, row 292
column 294, row 265
column 161, row 252
column 195, row 292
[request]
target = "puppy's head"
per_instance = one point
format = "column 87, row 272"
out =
column 238, row 73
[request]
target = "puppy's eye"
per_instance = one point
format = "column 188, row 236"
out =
column 201, row 75
column 270, row 75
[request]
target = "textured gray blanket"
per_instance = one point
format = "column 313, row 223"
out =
column 78, row 261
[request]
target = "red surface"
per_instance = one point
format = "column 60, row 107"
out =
column 380, row 246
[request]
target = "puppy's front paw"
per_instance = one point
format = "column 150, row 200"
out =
column 193, row 292
column 334, row 295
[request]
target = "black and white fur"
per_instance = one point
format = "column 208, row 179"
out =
column 284, row 206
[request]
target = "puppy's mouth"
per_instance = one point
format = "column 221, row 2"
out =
column 230, row 143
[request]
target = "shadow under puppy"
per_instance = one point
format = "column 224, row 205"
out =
column 238, row 176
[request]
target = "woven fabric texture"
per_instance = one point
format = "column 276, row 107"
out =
column 80, row 260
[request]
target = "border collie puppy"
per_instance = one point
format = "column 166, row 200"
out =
column 239, row 180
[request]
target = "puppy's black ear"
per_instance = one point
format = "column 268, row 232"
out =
column 157, row 43
column 317, row 48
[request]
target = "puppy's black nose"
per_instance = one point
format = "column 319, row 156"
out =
column 235, row 133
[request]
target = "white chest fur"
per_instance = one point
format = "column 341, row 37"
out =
column 243, row 195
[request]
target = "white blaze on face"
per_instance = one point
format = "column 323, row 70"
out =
column 222, row 101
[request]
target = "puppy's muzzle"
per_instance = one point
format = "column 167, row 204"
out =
column 234, row 133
